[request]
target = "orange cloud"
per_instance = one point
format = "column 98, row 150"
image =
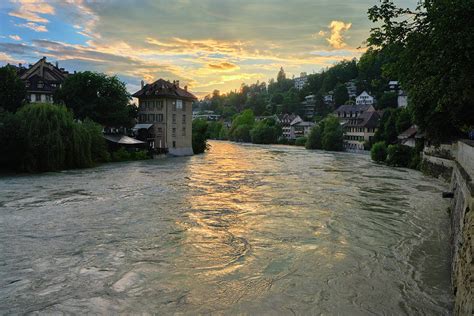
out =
column 33, row 26
column 336, row 38
column 223, row 66
column 30, row 10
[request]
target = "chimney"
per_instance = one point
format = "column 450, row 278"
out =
column 177, row 83
column 19, row 65
column 57, row 64
column 186, row 88
column 142, row 83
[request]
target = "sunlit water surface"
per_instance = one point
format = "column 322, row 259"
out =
column 242, row 229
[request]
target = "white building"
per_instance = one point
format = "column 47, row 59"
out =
column 351, row 88
column 365, row 98
column 301, row 81
column 299, row 128
column 402, row 98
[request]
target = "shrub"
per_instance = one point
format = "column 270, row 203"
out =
column 199, row 136
column 300, row 141
column 332, row 138
column 379, row 152
column 314, row 138
column 266, row 132
column 399, row 155
column 121, row 155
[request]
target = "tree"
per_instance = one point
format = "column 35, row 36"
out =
column 378, row 152
column 199, row 138
column 12, row 89
column 314, row 138
column 332, row 138
column 99, row 97
column 266, row 131
column 435, row 65
column 241, row 126
column 387, row 100
column 340, row 94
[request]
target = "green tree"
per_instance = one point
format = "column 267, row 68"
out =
column 241, row 126
column 332, row 138
column 266, row 131
column 314, row 138
column 434, row 64
column 12, row 89
column 378, row 152
column 99, row 97
column 340, row 94
column 199, row 138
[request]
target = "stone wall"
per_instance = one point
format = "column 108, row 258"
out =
column 462, row 229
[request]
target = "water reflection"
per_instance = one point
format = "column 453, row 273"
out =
column 243, row 229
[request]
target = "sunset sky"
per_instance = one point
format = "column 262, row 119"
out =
column 206, row 44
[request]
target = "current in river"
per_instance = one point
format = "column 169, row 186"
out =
column 242, row 229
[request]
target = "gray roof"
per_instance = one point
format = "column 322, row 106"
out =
column 123, row 140
column 163, row 88
column 367, row 119
column 353, row 108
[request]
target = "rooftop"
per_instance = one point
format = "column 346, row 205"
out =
column 163, row 88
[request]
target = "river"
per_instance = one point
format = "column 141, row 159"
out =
column 241, row 229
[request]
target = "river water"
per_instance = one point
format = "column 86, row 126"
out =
column 241, row 229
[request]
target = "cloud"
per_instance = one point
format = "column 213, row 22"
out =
column 15, row 37
column 30, row 10
column 33, row 26
column 336, row 38
column 223, row 66
column 7, row 59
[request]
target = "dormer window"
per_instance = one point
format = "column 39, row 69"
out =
column 179, row 104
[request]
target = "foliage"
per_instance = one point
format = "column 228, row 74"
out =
column 434, row 64
column 99, row 97
column 266, row 131
column 378, row 152
column 332, row 138
column 300, row 141
column 200, row 136
column 44, row 137
column 314, row 138
column 399, row 155
column 214, row 129
column 387, row 100
column 12, row 89
column 122, row 154
column 241, row 126
column 340, row 94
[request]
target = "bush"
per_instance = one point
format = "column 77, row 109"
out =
column 314, row 138
column 399, row 155
column 121, row 155
column 242, row 133
column 301, row 141
column 44, row 137
column 199, row 136
column 266, row 132
column 332, row 138
column 379, row 152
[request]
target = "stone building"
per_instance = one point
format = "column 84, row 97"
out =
column 165, row 117
column 360, row 130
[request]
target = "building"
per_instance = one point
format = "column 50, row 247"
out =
column 360, row 130
column 165, row 117
column 365, row 98
column 301, row 81
column 351, row 88
column 348, row 111
column 402, row 98
column 309, row 105
column 410, row 136
column 42, row 80
column 206, row 115
column 285, row 121
column 329, row 98
column 300, row 129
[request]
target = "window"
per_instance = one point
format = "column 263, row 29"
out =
column 48, row 98
column 173, row 132
column 179, row 104
column 184, row 119
column 183, row 131
column 40, row 85
column 38, row 97
column 159, row 131
column 159, row 117
column 159, row 104
column 174, row 119
column 151, row 117
column 174, row 144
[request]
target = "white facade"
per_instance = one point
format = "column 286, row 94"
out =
column 364, row 98
column 301, row 81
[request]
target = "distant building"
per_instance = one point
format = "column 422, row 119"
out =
column 348, row 111
column 165, row 117
column 410, row 136
column 329, row 98
column 206, row 115
column 360, row 130
column 41, row 80
column 351, row 88
column 285, row 120
column 301, row 81
column 309, row 105
column 402, row 98
column 365, row 98
column 300, row 129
